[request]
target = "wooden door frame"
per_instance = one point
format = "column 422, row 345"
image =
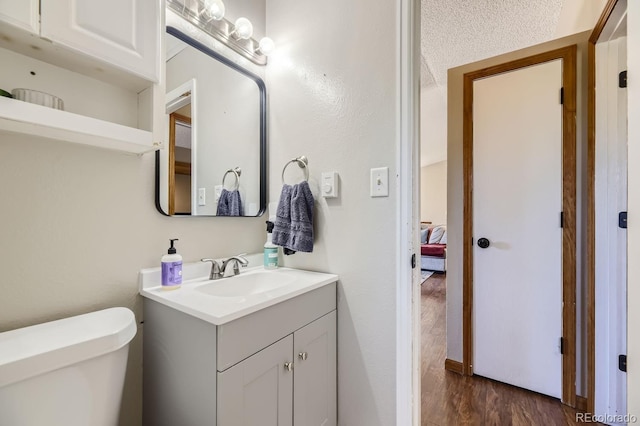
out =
column 568, row 55
column 173, row 167
column 591, row 204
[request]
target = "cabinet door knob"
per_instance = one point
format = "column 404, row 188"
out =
column 288, row 366
column 303, row 356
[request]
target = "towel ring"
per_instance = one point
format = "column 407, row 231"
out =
column 303, row 163
column 237, row 171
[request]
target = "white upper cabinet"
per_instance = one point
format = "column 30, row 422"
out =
column 124, row 33
column 20, row 13
column 102, row 58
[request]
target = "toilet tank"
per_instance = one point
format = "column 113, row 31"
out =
column 67, row 372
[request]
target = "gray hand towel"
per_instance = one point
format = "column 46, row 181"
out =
column 230, row 204
column 294, row 218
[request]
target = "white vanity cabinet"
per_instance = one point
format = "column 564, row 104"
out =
column 273, row 367
column 102, row 58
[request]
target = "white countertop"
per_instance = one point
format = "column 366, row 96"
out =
column 198, row 296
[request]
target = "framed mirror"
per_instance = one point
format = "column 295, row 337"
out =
column 215, row 160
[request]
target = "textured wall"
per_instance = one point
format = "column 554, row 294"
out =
column 332, row 87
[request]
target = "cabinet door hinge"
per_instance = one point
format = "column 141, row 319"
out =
column 562, row 345
column 561, row 219
column 561, row 95
column 413, row 261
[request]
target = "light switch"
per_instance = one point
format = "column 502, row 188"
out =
column 202, row 196
column 380, row 182
column 329, row 184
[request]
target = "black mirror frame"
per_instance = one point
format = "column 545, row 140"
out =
column 263, row 122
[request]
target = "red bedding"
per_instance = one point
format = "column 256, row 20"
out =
column 433, row 249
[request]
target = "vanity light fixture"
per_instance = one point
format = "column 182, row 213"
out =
column 208, row 16
column 243, row 29
column 266, row 46
column 213, row 9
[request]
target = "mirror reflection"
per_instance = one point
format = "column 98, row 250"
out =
column 215, row 161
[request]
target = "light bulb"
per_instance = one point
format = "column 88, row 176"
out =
column 266, row 46
column 243, row 28
column 214, row 9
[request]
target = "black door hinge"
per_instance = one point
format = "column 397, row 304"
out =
column 562, row 95
column 622, row 79
column 413, row 261
column 622, row 220
column 562, row 345
column 561, row 219
column 622, row 363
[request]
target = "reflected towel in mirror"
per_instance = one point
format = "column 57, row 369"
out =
column 293, row 228
column 230, row 204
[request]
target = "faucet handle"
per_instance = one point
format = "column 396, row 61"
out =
column 237, row 260
column 242, row 260
column 215, row 268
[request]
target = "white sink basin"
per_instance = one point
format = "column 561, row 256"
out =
column 247, row 285
column 227, row 299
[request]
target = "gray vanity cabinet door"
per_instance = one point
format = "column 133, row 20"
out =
column 259, row 390
column 315, row 396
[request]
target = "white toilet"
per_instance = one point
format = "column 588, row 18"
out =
column 68, row 372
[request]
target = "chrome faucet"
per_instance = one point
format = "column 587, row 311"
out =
column 237, row 260
column 218, row 270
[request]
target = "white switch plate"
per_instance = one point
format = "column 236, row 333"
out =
column 380, row 182
column 202, row 196
column 329, row 184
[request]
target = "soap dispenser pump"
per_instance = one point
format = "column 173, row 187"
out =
column 270, row 249
column 171, row 268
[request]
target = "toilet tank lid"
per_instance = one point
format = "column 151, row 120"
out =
column 34, row 350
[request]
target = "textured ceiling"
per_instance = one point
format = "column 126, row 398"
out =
column 457, row 32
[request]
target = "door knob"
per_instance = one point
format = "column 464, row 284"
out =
column 288, row 366
column 303, row 356
column 483, row 243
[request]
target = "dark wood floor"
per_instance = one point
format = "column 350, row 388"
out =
column 451, row 399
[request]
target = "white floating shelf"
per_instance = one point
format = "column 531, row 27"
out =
column 36, row 120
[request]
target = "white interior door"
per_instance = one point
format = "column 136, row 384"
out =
column 611, row 240
column 517, row 201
